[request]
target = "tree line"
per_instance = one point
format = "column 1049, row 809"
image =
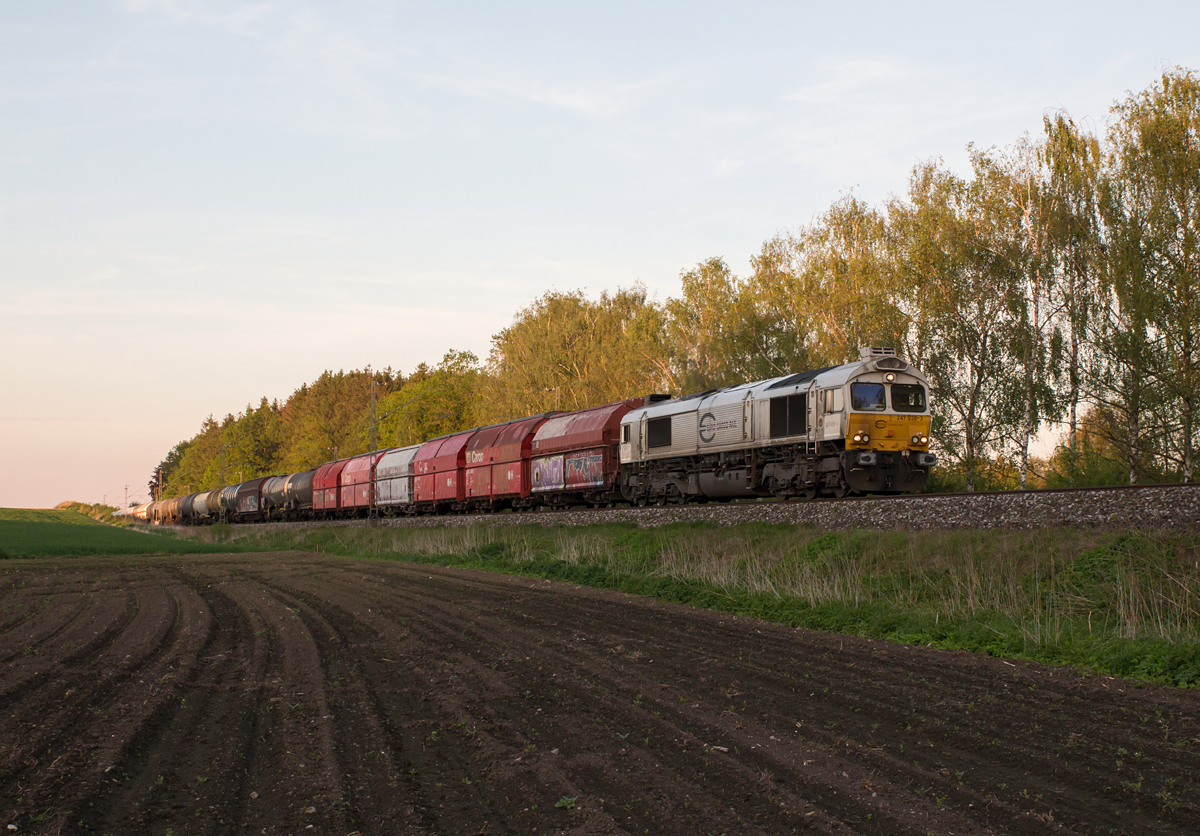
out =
column 1055, row 283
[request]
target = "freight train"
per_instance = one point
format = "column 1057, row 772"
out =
column 856, row 428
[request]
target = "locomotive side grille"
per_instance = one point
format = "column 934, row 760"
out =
column 658, row 432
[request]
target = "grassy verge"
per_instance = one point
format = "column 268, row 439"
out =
column 98, row 512
column 63, row 532
column 1124, row 604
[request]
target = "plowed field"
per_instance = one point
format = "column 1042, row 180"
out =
column 293, row 693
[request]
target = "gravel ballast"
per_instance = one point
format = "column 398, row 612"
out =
column 1154, row 508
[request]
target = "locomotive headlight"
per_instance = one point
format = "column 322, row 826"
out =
column 889, row 377
column 916, row 439
column 858, row 437
column 924, row 439
column 866, row 438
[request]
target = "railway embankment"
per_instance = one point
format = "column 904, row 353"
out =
column 1138, row 508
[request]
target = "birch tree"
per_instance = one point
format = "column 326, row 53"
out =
column 849, row 283
column 703, row 328
column 957, row 299
column 1073, row 163
column 1156, row 161
column 1023, row 208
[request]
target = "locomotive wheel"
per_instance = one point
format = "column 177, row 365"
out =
column 810, row 491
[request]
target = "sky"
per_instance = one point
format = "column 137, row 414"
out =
column 202, row 203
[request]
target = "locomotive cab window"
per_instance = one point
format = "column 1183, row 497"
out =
column 658, row 432
column 833, row 400
column 625, row 434
column 867, row 397
column 908, row 397
column 789, row 416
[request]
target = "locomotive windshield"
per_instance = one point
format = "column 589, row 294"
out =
column 867, row 396
column 908, row 397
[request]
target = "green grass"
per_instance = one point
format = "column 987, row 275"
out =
column 53, row 533
column 1126, row 604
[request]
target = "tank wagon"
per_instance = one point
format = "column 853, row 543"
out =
column 859, row 427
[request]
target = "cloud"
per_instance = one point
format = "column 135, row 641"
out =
column 234, row 17
column 333, row 75
column 852, row 75
column 727, row 166
column 513, row 85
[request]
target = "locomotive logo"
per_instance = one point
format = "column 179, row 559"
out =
column 710, row 426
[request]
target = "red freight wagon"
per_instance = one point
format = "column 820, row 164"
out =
column 477, row 463
column 497, row 462
column 510, row 462
column 575, row 456
column 325, row 485
column 438, row 469
column 423, row 471
column 355, row 481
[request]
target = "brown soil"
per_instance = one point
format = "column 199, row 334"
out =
column 294, row 693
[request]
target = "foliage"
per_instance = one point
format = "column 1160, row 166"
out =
column 1153, row 208
column 567, row 352
column 1100, row 455
column 958, row 282
column 705, row 328
column 433, row 402
column 329, row 419
column 326, row 419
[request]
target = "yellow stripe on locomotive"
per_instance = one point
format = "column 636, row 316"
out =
column 887, row 432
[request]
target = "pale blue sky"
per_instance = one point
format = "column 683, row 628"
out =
column 203, row 203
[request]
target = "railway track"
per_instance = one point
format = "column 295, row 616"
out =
column 1135, row 507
